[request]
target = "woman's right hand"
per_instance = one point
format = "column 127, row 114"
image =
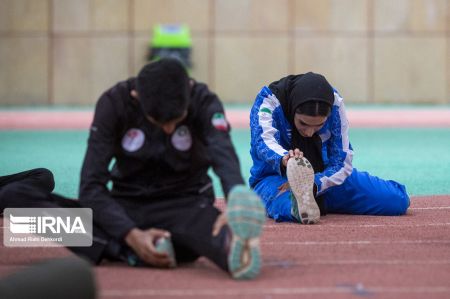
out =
column 142, row 242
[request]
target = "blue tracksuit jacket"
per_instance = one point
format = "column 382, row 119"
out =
column 271, row 140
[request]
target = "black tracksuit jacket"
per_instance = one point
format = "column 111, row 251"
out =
column 148, row 164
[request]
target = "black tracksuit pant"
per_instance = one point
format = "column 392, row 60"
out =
column 189, row 220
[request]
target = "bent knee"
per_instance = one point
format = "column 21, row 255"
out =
column 403, row 204
column 45, row 178
column 395, row 200
column 402, row 200
column 395, row 205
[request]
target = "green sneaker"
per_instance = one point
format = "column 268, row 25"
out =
column 246, row 216
column 300, row 174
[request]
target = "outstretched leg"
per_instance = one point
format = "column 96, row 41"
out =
column 190, row 221
column 364, row 194
column 26, row 189
column 33, row 189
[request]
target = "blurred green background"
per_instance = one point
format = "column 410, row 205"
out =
column 416, row 157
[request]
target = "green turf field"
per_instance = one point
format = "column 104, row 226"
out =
column 419, row 158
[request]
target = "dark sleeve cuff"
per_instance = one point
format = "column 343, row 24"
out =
column 122, row 233
column 315, row 190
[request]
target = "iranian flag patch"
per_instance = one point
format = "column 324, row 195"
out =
column 219, row 122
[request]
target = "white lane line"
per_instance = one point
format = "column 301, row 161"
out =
column 431, row 208
column 358, row 288
column 357, row 262
column 325, row 225
column 356, row 242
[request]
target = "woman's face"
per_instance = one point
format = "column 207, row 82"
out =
column 308, row 125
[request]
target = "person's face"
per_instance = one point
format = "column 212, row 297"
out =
column 308, row 125
column 170, row 126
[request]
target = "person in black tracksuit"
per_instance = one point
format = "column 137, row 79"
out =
column 160, row 175
column 161, row 152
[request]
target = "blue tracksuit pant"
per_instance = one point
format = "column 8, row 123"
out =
column 360, row 194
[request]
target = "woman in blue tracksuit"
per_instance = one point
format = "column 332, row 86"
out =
column 302, row 115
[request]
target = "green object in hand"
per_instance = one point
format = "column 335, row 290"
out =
column 165, row 245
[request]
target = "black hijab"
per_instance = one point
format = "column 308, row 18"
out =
column 294, row 90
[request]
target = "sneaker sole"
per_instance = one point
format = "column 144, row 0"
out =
column 300, row 175
column 246, row 217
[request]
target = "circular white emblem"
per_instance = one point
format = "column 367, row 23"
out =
column 181, row 139
column 133, row 140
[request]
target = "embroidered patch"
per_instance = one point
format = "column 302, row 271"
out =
column 133, row 140
column 181, row 139
column 219, row 122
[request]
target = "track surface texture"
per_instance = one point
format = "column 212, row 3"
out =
column 342, row 256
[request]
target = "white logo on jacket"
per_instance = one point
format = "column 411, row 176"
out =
column 181, row 138
column 133, row 140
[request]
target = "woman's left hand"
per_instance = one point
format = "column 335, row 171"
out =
column 296, row 153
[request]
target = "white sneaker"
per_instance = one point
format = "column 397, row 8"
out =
column 300, row 174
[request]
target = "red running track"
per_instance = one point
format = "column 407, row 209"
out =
column 341, row 257
column 62, row 120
